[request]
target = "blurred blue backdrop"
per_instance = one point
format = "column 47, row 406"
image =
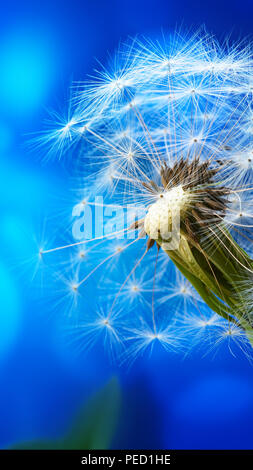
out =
column 168, row 401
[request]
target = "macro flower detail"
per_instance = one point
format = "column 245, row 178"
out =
column 213, row 270
column 166, row 136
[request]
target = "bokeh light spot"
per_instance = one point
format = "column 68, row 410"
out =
column 26, row 69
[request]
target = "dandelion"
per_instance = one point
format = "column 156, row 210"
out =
column 84, row 335
column 167, row 133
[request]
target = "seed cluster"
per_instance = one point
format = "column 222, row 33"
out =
column 189, row 186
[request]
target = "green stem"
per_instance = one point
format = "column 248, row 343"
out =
column 216, row 272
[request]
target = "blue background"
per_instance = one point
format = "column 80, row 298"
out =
column 167, row 401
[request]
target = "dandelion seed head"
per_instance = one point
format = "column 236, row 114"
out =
column 166, row 130
column 160, row 215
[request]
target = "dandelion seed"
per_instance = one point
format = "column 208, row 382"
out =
column 85, row 334
column 234, row 338
column 142, row 340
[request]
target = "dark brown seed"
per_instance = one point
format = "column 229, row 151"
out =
column 137, row 224
column 150, row 243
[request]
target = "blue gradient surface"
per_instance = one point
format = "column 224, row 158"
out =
column 168, row 401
